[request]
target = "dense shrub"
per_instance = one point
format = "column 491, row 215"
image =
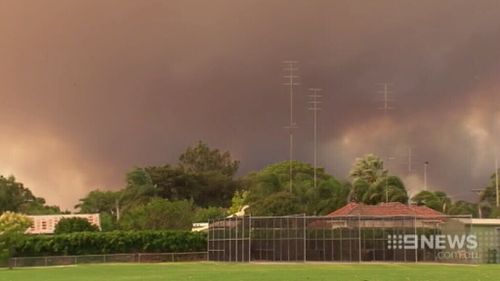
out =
column 87, row 243
column 69, row 225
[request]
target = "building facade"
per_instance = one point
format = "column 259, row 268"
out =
column 46, row 224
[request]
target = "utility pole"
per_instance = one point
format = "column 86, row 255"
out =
column 410, row 151
column 426, row 164
column 479, row 191
column 386, row 107
column 314, row 107
column 496, row 182
column 291, row 70
column 387, row 180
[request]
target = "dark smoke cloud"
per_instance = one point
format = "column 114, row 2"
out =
column 90, row 89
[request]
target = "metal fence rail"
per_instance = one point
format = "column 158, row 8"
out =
column 111, row 258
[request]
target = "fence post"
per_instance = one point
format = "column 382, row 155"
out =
column 236, row 238
column 416, row 237
column 359, row 238
column 249, row 238
column 208, row 241
column 305, row 240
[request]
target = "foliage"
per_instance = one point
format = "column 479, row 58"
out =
column 210, row 213
column 87, row 243
column 75, row 224
column 172, row 183
column 201, row 159
column 238, row 201
column 369, row 168
column 278, row 204
column 488, row 199
column 273, row 183
column 159, row 214
column 12, row 229
column 99, row 201
column 463, row 208
column 15, row 197
column 389, row 188
column 372, row 184
column 108, row 222
column 437, row 200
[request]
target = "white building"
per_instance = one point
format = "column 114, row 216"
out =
column 46, row 224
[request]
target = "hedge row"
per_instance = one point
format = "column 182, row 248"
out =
column 89, row 243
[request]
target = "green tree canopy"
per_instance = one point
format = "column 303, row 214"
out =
column 70, row 225
column 15, row 197
column 201, row 159
column 436, row 200
column 372, row 184
column 273, row 182
column 368, row 168
column 488, row 199
column 159, row 214
column 12, row 229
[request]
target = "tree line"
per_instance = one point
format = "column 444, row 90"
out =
column 204, row 185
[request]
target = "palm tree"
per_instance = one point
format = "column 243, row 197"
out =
column 369, row 168
column 437, row 200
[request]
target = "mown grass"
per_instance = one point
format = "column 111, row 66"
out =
column 258, row 272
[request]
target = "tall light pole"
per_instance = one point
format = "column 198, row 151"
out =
column 291, row 70
column 314, row 107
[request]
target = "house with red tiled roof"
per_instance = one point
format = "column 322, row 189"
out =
column 383, row 215
column 386, row 209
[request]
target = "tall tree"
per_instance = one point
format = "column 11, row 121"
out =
column 368, row 168
column 463, row 208
column 201, row 159
column 212, row 173
column 98, row 201
column 372, row 184
column 389, row 188
column 172, row 183
column 159, row 214
column 436, row 200
column 12, row 229
column 270, row 185
column 488, row 199
column 15, row 197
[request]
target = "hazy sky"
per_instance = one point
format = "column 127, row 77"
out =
column 90, row 89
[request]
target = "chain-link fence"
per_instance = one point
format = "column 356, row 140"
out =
column 345, row 239
column 111, row 258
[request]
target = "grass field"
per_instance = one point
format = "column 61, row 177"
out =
column 258, row 272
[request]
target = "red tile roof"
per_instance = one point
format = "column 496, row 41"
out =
column 385, row 209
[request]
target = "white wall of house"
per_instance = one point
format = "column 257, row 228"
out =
column 46, row 224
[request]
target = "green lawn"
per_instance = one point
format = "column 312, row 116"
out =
column 258, row 272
